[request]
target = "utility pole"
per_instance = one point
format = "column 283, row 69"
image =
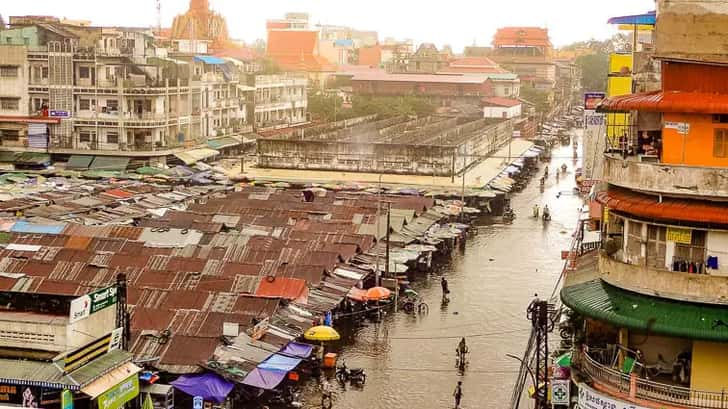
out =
column 122, row 315
column 386, row 254
column 541, row 314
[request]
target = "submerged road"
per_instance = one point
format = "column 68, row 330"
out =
column 410, row 360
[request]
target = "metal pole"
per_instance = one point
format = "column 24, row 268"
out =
column 386, row 254
column 462, row 192
column 122, row 316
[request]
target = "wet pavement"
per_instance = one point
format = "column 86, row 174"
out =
column 410, row 360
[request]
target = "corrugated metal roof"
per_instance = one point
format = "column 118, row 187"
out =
column 289, row 288
column 659, row 316
column 668, row 101
column 186, row 350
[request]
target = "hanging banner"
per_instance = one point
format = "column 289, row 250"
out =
column 66, row 399
column 682, row 236
column 23, row 396
column 591, row 399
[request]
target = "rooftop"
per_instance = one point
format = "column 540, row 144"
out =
column 521, row 36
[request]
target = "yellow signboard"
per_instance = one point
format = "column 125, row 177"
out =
column 683, row 236
column 605, row 217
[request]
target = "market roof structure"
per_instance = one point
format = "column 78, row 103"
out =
column 668, row 101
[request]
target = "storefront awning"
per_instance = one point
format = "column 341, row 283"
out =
column 109, row 163
column 667, row 101
column 111, row 379
column 79, row 162
column 195, row 155
column 599, row 300
column 668, row 209
column 221, row 143
column 31, row 158
column 280, row 363
column 211, row 386
column 264, row 378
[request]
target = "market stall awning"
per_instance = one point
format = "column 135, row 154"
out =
column 32, row 158
column 280, row 363
column 110, row 379
column 222, row 143
column 659, row 316
column 651, row 207
column 208, row 59
column 297, row 349
column 667, row 101
column 109, row 163
column 648, row 18
column 264, row 378
column 210, row 386
column 195, row 155
column 79, row 162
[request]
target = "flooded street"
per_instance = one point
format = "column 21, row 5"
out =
column 410, row 360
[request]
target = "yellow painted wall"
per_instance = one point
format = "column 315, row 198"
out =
column 698, row 142
column 710, row 360
column 619, row 86
column 617, row 61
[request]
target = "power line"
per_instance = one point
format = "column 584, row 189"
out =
column 486, row 334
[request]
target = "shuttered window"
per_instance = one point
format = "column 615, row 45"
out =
column 720, row 143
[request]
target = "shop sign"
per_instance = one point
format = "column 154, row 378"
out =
column 116, row 337
column 197, row 402
column 683, row 236
column 605, row 216
column 24, row 396
column 87, row 353
column 683, row 128
column 118, row 395
column 82, row 307
column 560, row 391
column 591, row 399
column 66, row 399
column 59, row 114
column 592, row 99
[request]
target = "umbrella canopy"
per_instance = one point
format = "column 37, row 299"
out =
column 321, row 333
column 378, row 293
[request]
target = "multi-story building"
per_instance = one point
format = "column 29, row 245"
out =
column 108, row 92
column 426, row 60
column 526, row 51
column 280, row 101
column 652, row 297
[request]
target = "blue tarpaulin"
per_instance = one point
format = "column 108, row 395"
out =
column 297, row 350
column 280, row 363
column 25, row 227
column 208, row 59
column 264, row 378
column 344, row 43
column 211, row 386
column 641, row 19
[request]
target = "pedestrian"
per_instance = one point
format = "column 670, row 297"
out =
column 445, row 289
column 326, row 393
column 458, row 394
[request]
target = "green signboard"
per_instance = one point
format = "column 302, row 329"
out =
column 117, row 396
column 102, row 298
column 66, row 399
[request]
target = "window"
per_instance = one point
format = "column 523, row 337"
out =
column 634, row 242
column 9, row 104
column 8, row 71
column 84, row 136
column 38, row 103
column 720, row 143
column 112, row 137
column 693, row 252
column 84, row 72
column 84, row 104
column 656, row 246
column 44, row 72
column 112, row 105
column 10, row 134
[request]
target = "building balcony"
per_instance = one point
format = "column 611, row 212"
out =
column 643, row 392
column 656, row 282
column 637, row 173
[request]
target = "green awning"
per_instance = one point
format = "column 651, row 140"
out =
column 193, row 156
column 221, row 143
column 599, row 300
column 109, row 163
column 32, row 158
column 149, row 170
column 79, row 162
column 6, row 156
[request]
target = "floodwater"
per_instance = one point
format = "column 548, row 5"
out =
column 410, row 360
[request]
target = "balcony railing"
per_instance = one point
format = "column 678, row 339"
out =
column 639, row 388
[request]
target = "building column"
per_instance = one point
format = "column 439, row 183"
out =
column 623, row 341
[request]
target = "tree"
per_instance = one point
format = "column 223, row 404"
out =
column 326, row 107
column 269, row 67
column 594, row 70
column 536, row 96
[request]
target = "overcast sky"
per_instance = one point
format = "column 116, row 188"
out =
column 455, row 22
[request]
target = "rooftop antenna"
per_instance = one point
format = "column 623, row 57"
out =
column 159, row 16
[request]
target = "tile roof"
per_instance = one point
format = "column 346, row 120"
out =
column 668, row 101
column 522, row 36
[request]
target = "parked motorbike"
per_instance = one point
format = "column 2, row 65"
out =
column 287, row 397
column 353, row 375
column 509, row 215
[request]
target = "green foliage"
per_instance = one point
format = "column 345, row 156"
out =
column 538, row 97
column 594, row 71
column 325, row 107
column 269, row 67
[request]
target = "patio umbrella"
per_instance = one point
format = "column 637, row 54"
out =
column 378, row 293
column 321, row 333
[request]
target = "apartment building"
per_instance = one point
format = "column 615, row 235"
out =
column 280, row 101
column 111, row 92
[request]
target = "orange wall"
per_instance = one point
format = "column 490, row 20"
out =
column 698, row 142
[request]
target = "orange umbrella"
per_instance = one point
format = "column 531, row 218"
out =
column 378, row 293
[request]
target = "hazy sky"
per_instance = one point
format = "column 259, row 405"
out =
column 455, row 22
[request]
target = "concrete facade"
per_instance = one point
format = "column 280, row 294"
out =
column 280, row 101
column 689, row 29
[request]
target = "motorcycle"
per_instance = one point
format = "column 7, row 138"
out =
column 353, row 375
column 287, row 398
column 546, row 217
column 509, row 215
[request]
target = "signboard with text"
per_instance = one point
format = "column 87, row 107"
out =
column 85, row 305
column 592, row 99
column 118, row 395
column 560, row 392
column 591, row 399
column 23, row 396
column 682, row 236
